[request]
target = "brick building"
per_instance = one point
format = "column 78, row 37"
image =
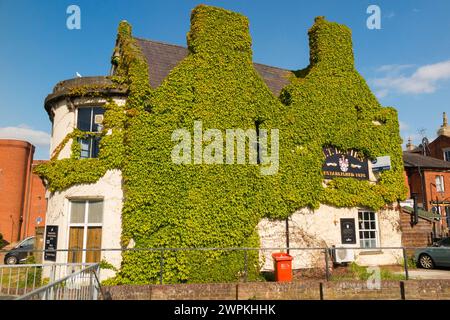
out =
column 439, row 148
column 23, row 203
column 427, row 171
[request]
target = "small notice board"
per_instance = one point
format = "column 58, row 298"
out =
column 51, row 242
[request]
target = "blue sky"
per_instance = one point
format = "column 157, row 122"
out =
column 406, row 62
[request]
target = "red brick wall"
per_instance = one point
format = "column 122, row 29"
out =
column 438, row 145
column 429, row 177
column 15, row 166
column 22, row 193
column 414, row 183
column 37, row 205
column 430, row 186
column 302, row 290
column 418, row 235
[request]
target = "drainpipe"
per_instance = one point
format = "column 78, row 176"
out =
column 287, row 235
column 29, row 200
column 422, row 184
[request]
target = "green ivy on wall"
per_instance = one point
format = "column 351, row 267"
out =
column 183, row 206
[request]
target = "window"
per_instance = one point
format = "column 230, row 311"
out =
column 367, row 229
column 440, row 183
column 27, row 243
column 85, row 230
column 445, row 242
column 87, row 121
column 447, row 154
column 436, row 209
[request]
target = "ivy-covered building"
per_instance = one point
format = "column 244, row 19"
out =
column 113, row 183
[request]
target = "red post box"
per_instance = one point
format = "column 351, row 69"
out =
column 283, row 266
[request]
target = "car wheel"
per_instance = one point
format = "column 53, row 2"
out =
column 426, row 262
column 12, row 260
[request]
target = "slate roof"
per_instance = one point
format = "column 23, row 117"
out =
column 163, row 57
column 411, row 159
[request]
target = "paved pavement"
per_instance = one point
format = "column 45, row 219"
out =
column 425, row 274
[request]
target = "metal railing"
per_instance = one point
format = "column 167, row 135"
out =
column 161, row 263
column 80, row 285
column 16, row 280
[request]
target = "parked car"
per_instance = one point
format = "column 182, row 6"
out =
column 20, row 252
column 436, row 256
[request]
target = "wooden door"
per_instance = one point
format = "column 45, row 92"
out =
column 94, row 241
column 75, row 242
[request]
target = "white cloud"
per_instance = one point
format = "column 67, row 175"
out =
column 24, row 132
column 424, row 79
column 392, row 69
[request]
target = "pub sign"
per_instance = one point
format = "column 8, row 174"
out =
column 344, row 164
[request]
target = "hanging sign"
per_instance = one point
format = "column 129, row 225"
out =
column 344, row 164
column 381, row 164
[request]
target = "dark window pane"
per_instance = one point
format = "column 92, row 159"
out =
column 372, row 234
column 372, row 225
column 446, row 242
column 361, row 225
column 360, row 215
column 95, row 147
column 84, row 119
column 361, row 235
column 366, row 235
column 85, row 148
column 366, row 216
column 372, row 215
column 366, row 225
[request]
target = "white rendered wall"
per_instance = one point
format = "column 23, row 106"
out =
column 321, row 228
column 108, row 188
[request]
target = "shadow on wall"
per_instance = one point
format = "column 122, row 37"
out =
column 3, row 242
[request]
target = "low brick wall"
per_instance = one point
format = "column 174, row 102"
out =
column 358, row 290
column 297, row 290
column 427, row 289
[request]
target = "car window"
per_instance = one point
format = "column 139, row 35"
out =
column 28, row 243
column 445, row 242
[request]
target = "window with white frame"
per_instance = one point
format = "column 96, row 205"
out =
column 89, row 120
column 440, row 184
column 368, row 230
column 447, row 154
column 85, row 231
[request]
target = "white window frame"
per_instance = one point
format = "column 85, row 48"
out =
column 444, row 151
column 85, row 224
column 377, row 229
column 441, row 183
column 91, row 106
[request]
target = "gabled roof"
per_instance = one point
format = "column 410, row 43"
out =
column 417, row 160
column 163, row 57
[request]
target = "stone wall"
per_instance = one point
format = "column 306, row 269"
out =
column 302, row 290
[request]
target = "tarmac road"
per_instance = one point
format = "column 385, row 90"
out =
column 425, row 274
